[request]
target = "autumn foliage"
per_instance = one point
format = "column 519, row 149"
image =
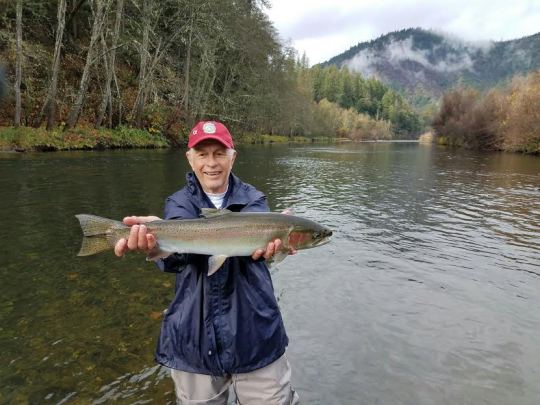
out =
column 520, row 119
column 503, row 119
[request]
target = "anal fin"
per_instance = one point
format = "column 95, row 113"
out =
column 215, row 262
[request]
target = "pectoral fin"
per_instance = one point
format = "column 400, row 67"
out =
column 157, row 253
column 214, row 263
column 278, row 257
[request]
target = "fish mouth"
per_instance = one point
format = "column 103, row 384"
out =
column 323, row 241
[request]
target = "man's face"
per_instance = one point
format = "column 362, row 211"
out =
column 212, row 163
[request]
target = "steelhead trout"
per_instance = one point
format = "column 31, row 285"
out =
column 219, row 234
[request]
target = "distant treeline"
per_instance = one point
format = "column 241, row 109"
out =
column 503, row 119
column 366, row 96
column 161, row 65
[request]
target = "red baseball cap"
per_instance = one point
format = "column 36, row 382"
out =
column 210, row 130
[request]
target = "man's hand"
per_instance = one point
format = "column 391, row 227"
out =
column 138, row 238
column 271, row 249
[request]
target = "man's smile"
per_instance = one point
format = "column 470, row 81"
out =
column 212, row 174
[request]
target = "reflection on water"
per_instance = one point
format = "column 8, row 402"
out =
column 428, row 292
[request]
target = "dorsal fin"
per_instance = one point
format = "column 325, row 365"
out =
column 288, row 211
column 214, row 212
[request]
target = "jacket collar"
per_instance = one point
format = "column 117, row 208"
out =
column 237, row 193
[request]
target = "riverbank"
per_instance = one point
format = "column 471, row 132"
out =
column 532, row 147
column 426, row 138
column 26, row 139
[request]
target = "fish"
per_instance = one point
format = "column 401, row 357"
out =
column 219, row 233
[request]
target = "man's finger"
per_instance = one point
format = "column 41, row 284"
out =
column 257, row 255
column 132, row 220
column 120, row 247
column 141, row 240
column 270, row 249
column 133, row 239
column 151, row 241
column 135, row 220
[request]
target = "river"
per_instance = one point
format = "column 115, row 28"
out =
column 427, row 294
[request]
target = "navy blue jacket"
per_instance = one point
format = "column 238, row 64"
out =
column 226, row 323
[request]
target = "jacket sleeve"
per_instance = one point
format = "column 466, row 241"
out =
column 176, row 262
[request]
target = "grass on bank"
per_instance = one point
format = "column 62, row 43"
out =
column 38, row 139
column 24, row 139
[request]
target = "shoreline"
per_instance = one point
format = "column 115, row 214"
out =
column 28, row 139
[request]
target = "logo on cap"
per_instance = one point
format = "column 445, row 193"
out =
column 209, row 128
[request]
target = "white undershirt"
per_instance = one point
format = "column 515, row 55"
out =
column 217, row 199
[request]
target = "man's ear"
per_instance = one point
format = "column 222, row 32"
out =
column 189, row 157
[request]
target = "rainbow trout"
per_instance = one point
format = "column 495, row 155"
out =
column 219, row 234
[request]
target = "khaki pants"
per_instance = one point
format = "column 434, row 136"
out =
column 270, row 385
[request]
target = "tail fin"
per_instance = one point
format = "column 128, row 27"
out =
column 96, row 236
column 93, row 244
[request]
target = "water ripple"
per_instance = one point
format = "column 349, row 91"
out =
column 428, row 292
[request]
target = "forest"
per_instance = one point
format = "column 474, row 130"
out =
column 85, row 68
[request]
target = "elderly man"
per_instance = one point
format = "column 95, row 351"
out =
column 226, row 328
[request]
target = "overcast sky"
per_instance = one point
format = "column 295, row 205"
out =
column 325, row 28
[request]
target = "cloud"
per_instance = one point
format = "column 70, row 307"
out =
column 310, row 24
column 458, row 56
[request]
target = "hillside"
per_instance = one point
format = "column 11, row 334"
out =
column 160, row 66
column 425, row 62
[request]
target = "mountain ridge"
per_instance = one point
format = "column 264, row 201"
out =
column 428, row 62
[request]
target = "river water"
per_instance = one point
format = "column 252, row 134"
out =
column 427, row 294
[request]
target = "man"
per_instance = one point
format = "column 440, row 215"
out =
column 224, row 329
